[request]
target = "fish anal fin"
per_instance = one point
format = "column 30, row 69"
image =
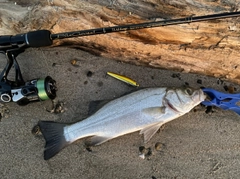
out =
column 96, row 140
column 149, row 131
column 154, row 111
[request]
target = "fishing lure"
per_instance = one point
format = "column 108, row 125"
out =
column 123, row 78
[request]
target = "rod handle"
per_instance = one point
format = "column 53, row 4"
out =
column 39, row 38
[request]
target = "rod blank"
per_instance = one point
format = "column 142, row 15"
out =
column 105, row 30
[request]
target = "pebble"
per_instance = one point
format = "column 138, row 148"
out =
column 36, row 130
column 158, row 146
column 209, row 110
column 144, row 152
column 89, row 74
column 74, row 62
column 199, row 81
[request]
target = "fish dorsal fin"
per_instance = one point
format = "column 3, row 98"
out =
column 149, row 131
column 94, row 106
column 154, row 111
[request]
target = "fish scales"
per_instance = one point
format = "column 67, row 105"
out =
column 145, row 111
column 113, row 111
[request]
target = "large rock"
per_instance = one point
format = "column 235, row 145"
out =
column 210, row 48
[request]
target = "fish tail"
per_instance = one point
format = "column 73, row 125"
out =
column 53, row 134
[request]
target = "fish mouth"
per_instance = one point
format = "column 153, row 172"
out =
column 171, row 106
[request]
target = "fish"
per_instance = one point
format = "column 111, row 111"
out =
column 144, row 110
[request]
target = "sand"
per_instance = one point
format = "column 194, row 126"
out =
column 196, row 145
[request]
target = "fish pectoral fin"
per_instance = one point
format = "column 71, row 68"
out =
column 149, row 131
column 97, row 140
column 155, row 111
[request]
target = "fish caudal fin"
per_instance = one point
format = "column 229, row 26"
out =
column 53, row 134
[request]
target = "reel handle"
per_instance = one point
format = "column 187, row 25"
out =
column 34, row 90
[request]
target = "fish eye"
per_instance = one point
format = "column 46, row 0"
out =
column 189, row 91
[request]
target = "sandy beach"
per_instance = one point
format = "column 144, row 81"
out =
column 196, row 145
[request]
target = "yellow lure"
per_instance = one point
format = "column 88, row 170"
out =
column 123, row 78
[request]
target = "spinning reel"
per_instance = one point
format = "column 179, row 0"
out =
column 18, row 90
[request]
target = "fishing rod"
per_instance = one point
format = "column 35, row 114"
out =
column 145, row 25
column 23, row 92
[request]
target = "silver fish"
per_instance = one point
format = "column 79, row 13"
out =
column 145, row 110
